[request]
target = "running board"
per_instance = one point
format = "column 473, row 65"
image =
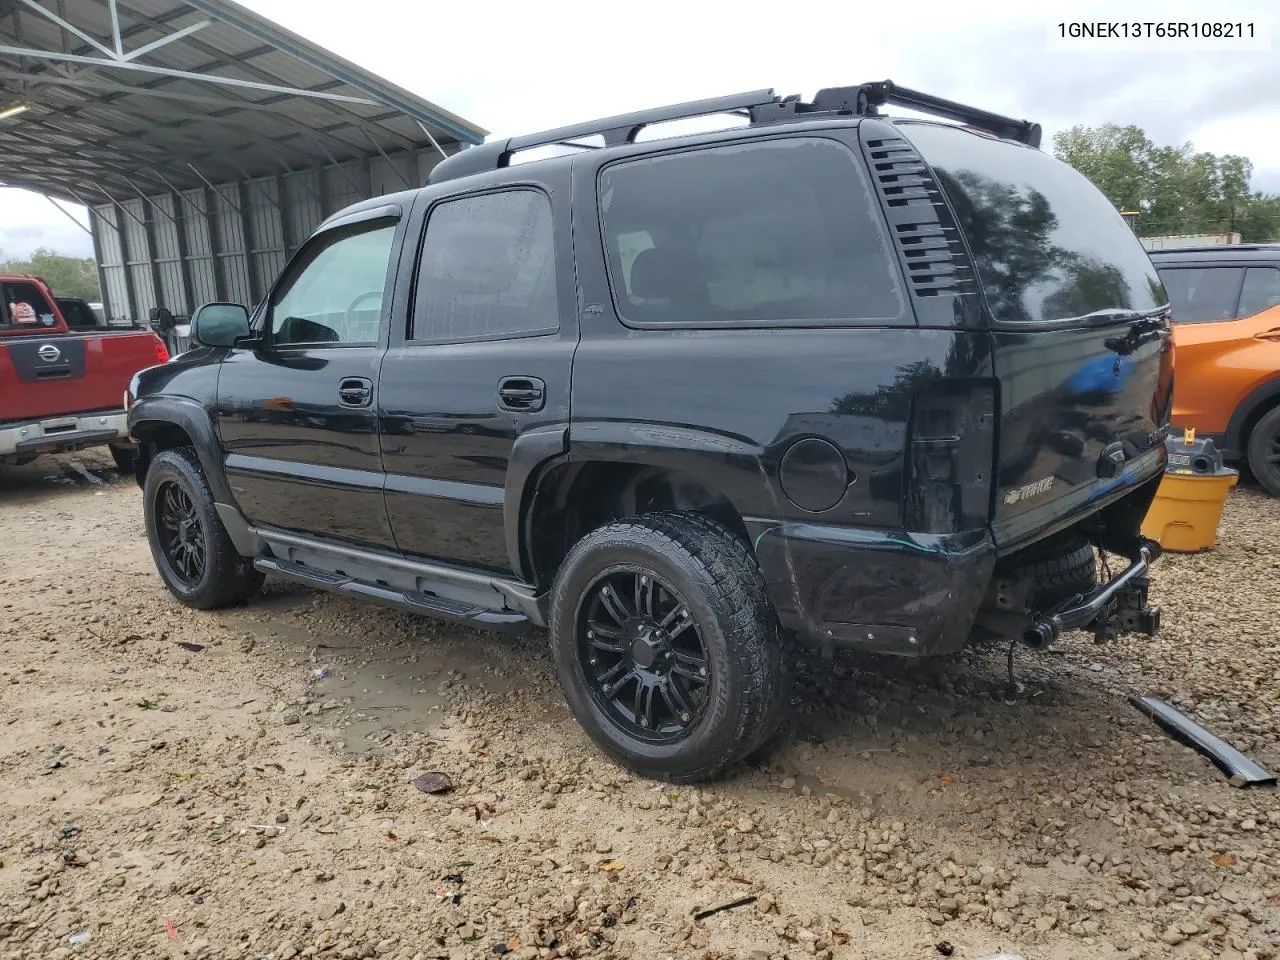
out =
column 427, row 604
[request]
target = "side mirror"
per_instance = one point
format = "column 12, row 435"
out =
column 220, row 325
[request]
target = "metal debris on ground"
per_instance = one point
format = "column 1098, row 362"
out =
column 1239, row 769
column 744, row 902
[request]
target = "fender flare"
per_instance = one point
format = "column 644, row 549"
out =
column 726, row 462
column 149, row 414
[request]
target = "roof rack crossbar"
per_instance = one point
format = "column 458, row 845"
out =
column 759, row 106
column 886, row 91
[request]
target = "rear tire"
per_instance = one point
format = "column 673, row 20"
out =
column 125, row 458
column 190, row 546
column 1264, row 452
column 666, row 646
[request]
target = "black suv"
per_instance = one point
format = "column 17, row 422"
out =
column 866, row 382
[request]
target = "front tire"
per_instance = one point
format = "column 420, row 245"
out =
column 1264, row 452
column 666, row 646
column 191, row 549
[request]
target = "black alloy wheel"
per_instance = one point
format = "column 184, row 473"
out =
column 643, row 655
column 181, row 534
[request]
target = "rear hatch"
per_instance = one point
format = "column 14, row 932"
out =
column 1081, row 346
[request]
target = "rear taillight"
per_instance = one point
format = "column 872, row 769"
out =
column 950, row 457
column 162, row 352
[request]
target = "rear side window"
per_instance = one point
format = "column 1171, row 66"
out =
column 1046, row 244
column 487, row 270
column 1203, row 294
column 774, row 232
column 77, row 314
column 1261, row 291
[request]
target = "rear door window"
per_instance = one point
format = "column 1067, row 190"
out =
column 777, row 232
column 1047, row 245
column 1261, row 291
column 1203, row 294
column 487, row 269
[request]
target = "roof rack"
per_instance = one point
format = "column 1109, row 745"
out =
column 758, row 106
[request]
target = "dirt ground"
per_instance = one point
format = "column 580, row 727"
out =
column 240, row 784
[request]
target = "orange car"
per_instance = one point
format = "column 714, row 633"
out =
column 1226, row 312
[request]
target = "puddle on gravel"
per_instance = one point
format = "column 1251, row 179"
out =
column 364, row 691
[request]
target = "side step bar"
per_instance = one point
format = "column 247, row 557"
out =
column 426, row 604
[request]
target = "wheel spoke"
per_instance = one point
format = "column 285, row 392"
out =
column 606, row 630
column 676, row 612
column 680, row 628
column 613, row 675
column 644, row 704
column 614, row 605
column 171, row 502
column 676, row 699
column 607, row 646
column 689, row 666
column 169, row 521
column 645, row 587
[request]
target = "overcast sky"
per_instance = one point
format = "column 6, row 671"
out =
column 518, row 67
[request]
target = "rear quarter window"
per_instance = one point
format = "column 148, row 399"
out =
column 772, row 232
column 1047, row 245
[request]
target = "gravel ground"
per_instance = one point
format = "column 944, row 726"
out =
column 240, row 784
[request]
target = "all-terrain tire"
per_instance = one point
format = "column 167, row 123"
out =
column 225, row 578
column 1264, row 452
column 717, row 577
column 1064, row 567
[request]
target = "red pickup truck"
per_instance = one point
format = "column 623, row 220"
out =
column 61, row 389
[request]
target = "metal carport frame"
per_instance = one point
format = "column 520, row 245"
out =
column 206, row 141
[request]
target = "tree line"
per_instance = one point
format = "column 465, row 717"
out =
column 1174, row 190
column 68, row 276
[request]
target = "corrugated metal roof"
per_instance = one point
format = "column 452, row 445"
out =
column 187, row 91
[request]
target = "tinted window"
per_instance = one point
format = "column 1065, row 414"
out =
column 1261, row 290
column 784, row 230
column 1202, row 294
column 77, row 314
column 1046, row 244
column 334, row 294
column 487, row 269
column 25, row 307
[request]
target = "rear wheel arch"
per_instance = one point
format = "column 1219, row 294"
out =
column 569, row 499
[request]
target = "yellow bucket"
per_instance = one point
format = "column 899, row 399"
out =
column 1185, row 514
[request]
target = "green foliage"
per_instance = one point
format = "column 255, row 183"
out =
column 1174, row 189
column 68, row 276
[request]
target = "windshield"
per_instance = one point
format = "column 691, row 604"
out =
column 1046, row 244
